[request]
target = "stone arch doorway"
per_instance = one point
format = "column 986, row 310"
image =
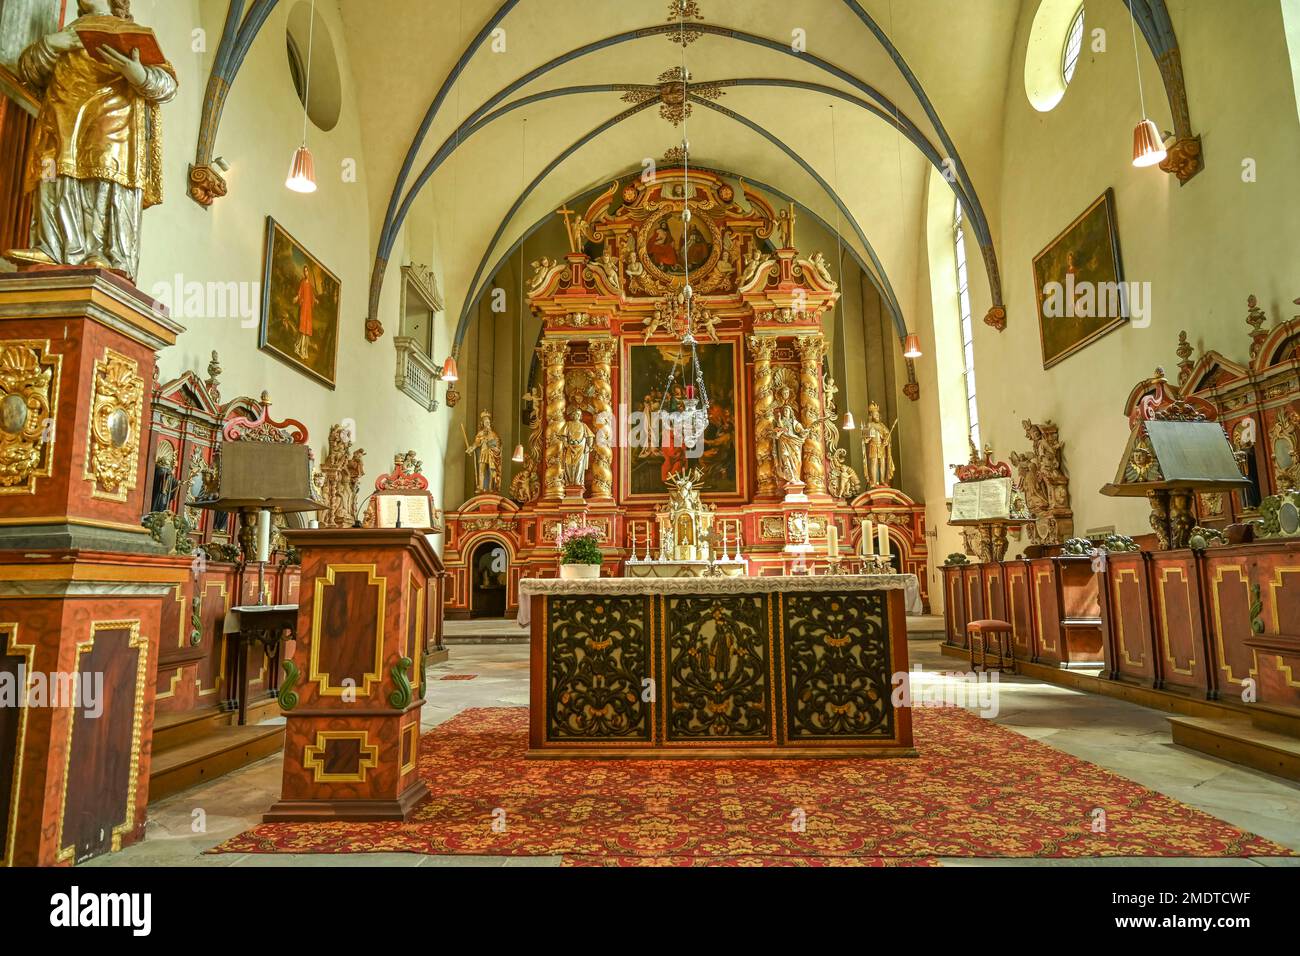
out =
column 489, row 576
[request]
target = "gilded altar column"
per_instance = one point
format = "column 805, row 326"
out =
column 602, row 455
column 760, row 350
column 812, row 349
column 553, row 353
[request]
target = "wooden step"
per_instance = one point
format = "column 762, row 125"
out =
column 467, row 639
column 207, row 757
column 172, row 730
column 1239, row 740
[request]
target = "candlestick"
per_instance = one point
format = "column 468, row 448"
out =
column 883, row 531
column 832, row 541
column 867, row 545
column 264, row 535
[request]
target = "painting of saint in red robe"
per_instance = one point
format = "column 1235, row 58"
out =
column 662, row 249
column 300, row 307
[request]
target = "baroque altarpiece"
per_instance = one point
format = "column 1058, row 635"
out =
column 613, row 313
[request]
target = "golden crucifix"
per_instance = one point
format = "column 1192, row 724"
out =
column 566, row 212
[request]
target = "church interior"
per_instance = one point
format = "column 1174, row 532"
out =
column 672, row 433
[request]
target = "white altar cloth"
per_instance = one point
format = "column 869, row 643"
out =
column 721, row 585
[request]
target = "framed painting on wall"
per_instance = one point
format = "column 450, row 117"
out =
column 300, row 307
column 1079, row 287
column 652, row 454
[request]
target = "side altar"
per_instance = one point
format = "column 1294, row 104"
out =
column 627, row 349
column 718, row 667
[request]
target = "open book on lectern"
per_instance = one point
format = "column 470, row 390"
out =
column 987, row 500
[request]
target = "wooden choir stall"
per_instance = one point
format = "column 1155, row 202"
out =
column 1205, row 609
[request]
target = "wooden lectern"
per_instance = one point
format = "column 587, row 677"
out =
column 353, row 691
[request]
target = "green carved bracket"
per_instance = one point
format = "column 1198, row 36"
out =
column 196, row 621
column 288, row 699
column 402, row 696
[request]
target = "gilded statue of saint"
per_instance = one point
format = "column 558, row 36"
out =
column 788, row 437
column 486, row 449
column 578, row 441
column 877, row 449
column 95, row 159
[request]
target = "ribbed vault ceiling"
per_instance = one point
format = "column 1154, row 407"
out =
column 402, row 57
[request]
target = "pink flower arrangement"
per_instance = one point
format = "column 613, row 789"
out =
column 578, row 532
column 580, row 544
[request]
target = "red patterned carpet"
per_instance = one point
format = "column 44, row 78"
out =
column 977, row 790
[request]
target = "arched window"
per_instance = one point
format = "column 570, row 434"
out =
column 967, row 326
column 1073, row 47
column 1052, row 51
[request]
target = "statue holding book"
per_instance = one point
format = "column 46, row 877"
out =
column 95, row 160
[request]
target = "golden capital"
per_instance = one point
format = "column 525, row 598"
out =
column 812, row 348
column 602, row 351
column 761, row 347
column 554, row 350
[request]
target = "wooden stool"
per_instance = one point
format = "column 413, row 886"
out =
column 982, row 631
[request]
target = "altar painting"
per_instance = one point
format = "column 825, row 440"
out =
column 648, row 463
column 300, row 307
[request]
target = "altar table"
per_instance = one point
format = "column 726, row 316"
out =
column 717, row 667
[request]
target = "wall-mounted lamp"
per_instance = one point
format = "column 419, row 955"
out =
column 1148, row 150
column 912, row 346
column 1148, row 144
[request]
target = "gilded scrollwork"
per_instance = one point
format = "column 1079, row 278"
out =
column 29, row 391
column 113, row 445
column 837, row 659
column 1284, row 440
column 598, row 653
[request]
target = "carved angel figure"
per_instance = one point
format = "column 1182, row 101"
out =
column 818, row 262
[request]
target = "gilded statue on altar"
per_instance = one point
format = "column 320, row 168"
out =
column 486, row 449
column 578, row 440
column 789, row 438
column 877, row 449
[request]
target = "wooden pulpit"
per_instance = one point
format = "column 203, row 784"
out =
column 353, row 690
column 82, row 586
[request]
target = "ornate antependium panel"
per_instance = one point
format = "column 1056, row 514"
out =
column 719, row 660
column 837, row 663
column 598, row 658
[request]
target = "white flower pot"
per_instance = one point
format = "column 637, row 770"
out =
column 579, row 572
